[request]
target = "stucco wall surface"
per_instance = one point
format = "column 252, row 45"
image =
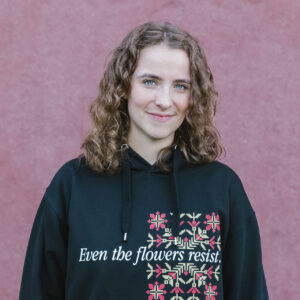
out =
column 52, row 56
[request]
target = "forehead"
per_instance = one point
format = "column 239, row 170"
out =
column 163, row 60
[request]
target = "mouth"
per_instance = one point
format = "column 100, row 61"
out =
column 161, row 117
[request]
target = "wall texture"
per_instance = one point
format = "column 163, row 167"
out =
column 52, row 56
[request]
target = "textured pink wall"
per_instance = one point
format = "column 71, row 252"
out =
column 52, row 56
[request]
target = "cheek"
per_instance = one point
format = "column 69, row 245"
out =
column 139, row 98
column 183, row 105
column 135, row 108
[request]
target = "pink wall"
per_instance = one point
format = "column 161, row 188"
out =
column 52, row 56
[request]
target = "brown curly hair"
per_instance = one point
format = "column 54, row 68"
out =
column 197, row 137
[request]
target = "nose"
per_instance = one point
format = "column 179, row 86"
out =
column 163, row 97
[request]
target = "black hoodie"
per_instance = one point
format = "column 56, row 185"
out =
column 188, row 234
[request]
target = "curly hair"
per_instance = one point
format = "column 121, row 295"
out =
column 197, row 137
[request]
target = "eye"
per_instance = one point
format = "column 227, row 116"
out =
column 181, row 87
column 149, row 82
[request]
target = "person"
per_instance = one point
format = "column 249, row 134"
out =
column 146, row 211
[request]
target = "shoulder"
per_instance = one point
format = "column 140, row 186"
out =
column 239, row 203
column 216, row 170
column 229, row 172
column 59, row 190
column 219, row 174
column 68, row 170
column 71, row 166
column 223, row 168
column 234, row 180
column 239, row 206
column 63, row 174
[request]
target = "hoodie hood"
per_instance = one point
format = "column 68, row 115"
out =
column 133, row 161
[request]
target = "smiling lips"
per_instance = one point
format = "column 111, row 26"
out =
column 160, row 117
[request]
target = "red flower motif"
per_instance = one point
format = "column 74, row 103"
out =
column 210, row 292
column 193, row 290
column 159, row 240
column 210, row 272
column 157, row 221
column 194, row 223
column 177, row 290
column 212, row 242
column 213, row 222
column 155, row 291
column 198, row 275
column 198, row 238
column 158, row 270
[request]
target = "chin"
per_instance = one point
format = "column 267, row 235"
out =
column 160, row 136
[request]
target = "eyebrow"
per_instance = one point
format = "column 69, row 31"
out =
column 149, row 75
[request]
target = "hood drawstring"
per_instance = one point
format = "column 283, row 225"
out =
column 126, row 212
column 126, row 193
column 176, row 203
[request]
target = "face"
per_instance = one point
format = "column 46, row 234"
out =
column 159, row 95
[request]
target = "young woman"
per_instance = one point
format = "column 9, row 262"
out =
column 147, row 211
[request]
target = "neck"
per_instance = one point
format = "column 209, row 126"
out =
column 148, row 150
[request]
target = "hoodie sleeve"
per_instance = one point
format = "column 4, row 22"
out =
column 243, row 273
column 44, row 268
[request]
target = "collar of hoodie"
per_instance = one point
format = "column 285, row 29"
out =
column 132, row 161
